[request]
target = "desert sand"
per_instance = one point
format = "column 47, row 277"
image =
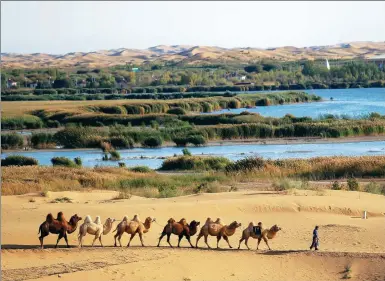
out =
column 345, row 238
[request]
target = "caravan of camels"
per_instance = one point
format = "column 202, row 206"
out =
column 217, row 228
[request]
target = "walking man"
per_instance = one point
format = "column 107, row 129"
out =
column 315, row 242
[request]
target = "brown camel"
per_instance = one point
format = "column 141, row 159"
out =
column 265, row 235
column 133, row 227
column 58, row 226
column 215, row 229
column 181, row 228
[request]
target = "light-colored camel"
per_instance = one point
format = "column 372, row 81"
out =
column 217, row 229
column 94, row 228
column 266, row 234
column 133, row 227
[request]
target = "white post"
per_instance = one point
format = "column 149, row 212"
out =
column 364, row 215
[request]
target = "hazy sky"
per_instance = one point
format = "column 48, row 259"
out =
column 61, row 27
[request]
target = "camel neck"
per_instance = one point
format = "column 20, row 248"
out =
column 107, row 228
column 71, row 228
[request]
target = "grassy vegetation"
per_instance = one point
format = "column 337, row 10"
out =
column 18, row 160
column 195, row 163
column 185, row 130
column 284, row 175
column 94, row 114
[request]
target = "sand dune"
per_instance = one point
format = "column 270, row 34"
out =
column 345, row 238
column 191, row 55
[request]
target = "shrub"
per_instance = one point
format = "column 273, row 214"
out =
column 9, row 141
column 186, row 152
column 42, row 140
column 78, row 161
column 152, row 142
column 21, row 122
column 176, row 111
column 195, row 163
column 246, row 165
column 196, row 140
column 122, row 142
column 336, row 186
column 122, row 164
column 141, row 169
column 115, row 155
column 18, row 160
column 353, row 184
column 373, row 187
column 63, row 161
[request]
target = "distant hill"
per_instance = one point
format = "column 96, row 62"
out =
column 191, row 55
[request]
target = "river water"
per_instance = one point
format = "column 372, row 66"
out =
column 352, row 102
column 153, row 157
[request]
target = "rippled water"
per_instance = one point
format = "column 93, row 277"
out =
column 153, row 157
column 352, row 102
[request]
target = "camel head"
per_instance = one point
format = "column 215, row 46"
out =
column 108, row 225
column 275, row 228
column 75, row 219
column 148, row 221
column 235, row 225
column 194, row 227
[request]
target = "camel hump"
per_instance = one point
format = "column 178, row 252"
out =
column 49, row 218
column 136, row 218
column 219, row 221
column 251, row 224
column 88, row 219
column 170, row 220
column 183, row 221
column 98, row 220
column 60, row 216
column 125, row 218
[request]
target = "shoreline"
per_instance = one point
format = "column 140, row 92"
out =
column 272, row 141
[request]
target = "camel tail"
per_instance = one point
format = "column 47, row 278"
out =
column 39, row 230
column 115, row 229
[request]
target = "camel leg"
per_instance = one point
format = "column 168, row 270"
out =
column 259, row 241
column 218, row 239
column 188, row 239
column 66, row 239
column 206, row 241
column 168, row 239
column 227, row 240
column 41, row 238
column 199, row 237
column 100, row 240
column 240, row 241
column 119, row 239
column 93, row 242
column 180, row 237
column 267, row 243
column 141, row 239
column 246, row 243
column 116, row 235
column 161, row 237
column 132, row 236
column 58, row 239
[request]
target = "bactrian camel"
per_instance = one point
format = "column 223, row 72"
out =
column 58, row 226
column 266, row 234
column 133, row 227
column 181, row 228
column 217, row 229
column 94, row 228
